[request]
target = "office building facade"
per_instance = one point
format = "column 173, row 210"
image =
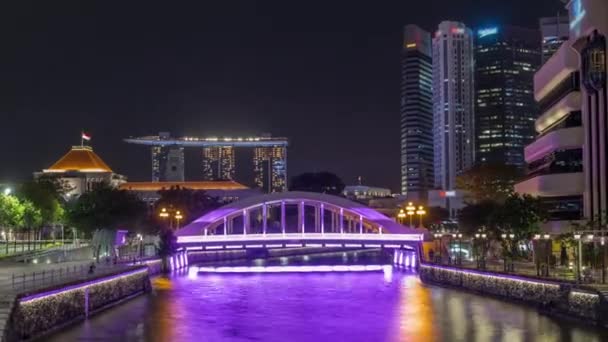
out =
column 453, row 104
column 506, row 59
column 567, row 161
column 416, row 113
column 555, row 31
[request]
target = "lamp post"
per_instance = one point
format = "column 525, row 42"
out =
column 508, row 267
column 603, row 260
column 420, row 212
column 401, row 215
column 178, row 217
column 481, row 262
column 438, row 238
column 578, row 257
column 411, row 210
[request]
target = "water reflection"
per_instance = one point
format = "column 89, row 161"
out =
column 378, row 306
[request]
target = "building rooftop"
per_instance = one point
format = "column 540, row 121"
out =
column 81, row 159
column 264, row 141
column 202, row 185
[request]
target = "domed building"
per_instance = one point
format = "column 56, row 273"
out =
column 80, row 169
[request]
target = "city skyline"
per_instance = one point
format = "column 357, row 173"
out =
column 322, row 88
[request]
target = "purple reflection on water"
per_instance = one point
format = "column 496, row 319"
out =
column 319, row 307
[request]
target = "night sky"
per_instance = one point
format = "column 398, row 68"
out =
column 324, row 74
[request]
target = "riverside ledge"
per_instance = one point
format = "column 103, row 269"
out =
column 562, row 299
column 39, row 312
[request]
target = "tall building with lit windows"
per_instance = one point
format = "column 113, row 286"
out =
column 416, row 113
column 453, row 105
column 506, row 59
column 270, row 168
column 554, row 31
column 218, row 163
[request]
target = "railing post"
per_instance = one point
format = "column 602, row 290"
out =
column 225, row 225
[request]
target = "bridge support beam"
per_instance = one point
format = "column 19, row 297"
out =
column 360, row 224
column 264, row 218
column 245, row 221
column 301, row 222
column 341, row 221
column 322, row 218
column 283, row 217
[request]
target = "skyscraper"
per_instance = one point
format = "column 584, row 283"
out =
column 416, row 113
column 554, row 31
column 218, row 163
column 453, row 105
column 506, row 59
column 167, row 160
column 270, row 168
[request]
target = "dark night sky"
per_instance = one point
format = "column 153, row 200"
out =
column 324, row 74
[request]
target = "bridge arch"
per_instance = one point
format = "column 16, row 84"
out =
column 346, row 216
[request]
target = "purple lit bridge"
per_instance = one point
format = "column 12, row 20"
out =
column 297, row 219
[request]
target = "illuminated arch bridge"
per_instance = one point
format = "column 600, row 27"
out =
column 296, row 219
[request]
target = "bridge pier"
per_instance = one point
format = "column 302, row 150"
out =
column 405, row 258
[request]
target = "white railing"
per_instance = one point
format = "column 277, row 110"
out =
column 44, row 278
column 300, row 236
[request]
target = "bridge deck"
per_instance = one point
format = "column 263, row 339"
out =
column 300, row 240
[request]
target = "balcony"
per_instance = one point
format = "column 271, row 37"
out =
column 551, row 185
column 559, row 67
column 561, row 139
column 570, row 103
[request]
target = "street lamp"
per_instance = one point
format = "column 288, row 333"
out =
column 579, row 258
column 164, row 214
column 509, row 238
column 481, row 261
column 438, row 236
column 420, row 212
column 401, row 215
column 411, row 210
column 178, row 217
column 7, row 191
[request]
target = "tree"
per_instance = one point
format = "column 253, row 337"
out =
column 11, row 212
column 192, row 204
column 44, row 195
column 479, row 215
column 322, row 182
column 435, row 216
column 488, row 182
column 167, row 247
column 106, row 208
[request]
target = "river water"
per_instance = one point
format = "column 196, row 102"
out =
column 296, row 307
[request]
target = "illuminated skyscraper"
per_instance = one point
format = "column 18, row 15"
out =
column 453, row 103
column 506, row 59
column 416, row 113
column 167, row 160
column 554, row 31
column 218, row 163
column 270, row 168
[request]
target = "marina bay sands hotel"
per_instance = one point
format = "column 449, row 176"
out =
column 218, row 158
